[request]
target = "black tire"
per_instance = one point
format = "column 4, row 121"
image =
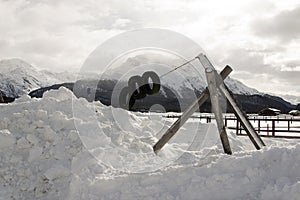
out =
column 155, row 82
column 126, row 101
column 136, row 87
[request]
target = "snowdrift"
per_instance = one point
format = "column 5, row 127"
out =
column 45, row 155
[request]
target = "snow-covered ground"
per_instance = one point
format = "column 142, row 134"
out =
column 60, row 147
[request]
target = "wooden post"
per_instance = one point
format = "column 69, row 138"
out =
column 237, row 127
column 273, row 128
column 212, row 81
column 240, row 127
column 187, row 113
column 1, row 98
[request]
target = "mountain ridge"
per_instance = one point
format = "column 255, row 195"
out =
column 18, row 78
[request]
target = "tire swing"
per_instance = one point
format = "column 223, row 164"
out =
column 154, row 87
column 138, row 88
column 135, row 85
column 126, row 101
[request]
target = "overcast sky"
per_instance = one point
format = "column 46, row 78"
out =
column 260, row 39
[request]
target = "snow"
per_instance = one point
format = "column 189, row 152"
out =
column 60, row 147
column 17, row 77
column 188, row 77
column 238, row 87
column 294, row 112
column 274, row 109
column 294, row 99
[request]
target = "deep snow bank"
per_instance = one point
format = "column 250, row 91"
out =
column 43, row 157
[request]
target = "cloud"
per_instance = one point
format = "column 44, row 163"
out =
column 284, row 26
column 62, row 33
column 244, row 60
column 252, row 67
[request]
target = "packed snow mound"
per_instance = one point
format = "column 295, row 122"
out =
column 45, row 156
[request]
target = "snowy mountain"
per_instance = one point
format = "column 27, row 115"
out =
column 180, row 80
column 17, row 77
column 291, row 98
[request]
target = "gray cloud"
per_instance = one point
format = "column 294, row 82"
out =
column 284, row 26
column 292, row 64
column 243, row 60
column 289, row 77
column 249, row 66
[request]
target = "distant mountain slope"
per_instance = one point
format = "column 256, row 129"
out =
column 290, row 98
column 180, row 80
column 17, row 77
column 167, row 98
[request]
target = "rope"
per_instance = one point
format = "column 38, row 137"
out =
column 178, row 67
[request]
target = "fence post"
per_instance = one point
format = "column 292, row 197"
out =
column 240, row 127
column 237, row 126
column 273, row 128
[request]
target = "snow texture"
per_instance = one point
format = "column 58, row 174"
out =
column 43, row 157
column 18, row 77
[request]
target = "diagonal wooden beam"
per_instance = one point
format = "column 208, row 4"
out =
column 252, row 134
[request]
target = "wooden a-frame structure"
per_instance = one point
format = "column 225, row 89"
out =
column 214, row 90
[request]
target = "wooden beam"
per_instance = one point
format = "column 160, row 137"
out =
column 213, row 82
column 1, row 98
column 254, row 137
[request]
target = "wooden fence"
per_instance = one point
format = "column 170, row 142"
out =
column 266, row 126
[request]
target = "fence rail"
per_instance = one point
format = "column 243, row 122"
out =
column 266, row 126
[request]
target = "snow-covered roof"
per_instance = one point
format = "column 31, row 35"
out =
column 274, row 109
column 294, row 111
